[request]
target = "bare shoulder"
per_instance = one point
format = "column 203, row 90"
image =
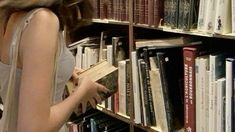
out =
column 44, row 16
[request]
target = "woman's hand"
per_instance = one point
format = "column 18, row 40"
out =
column 90, row 91
column 74, row 77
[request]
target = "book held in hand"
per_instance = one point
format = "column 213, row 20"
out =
column 102, row 73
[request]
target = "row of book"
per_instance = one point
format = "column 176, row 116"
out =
column 207, row 16
column 209, row 88
column 157, row 71
column 114, row 49
column 111, row 9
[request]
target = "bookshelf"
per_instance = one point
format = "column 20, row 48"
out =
column 132, row 26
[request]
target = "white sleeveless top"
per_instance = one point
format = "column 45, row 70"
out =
column 65, row 66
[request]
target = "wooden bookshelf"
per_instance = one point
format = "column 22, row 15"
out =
column 131, row 25
column 110, row 113
column 125, row 119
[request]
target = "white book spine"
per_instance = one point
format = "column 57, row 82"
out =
column 110, row 61
column 228, row 95
column 142, row 93
column 83, row 61
column 220, row 92
column 198, row 95
column 110, row 54
column 223, row 17
column 211, row 93
column 207, row 102
column 136, row 88
column 79, row 57
column 201, row 26
column 122, row 86
column 233, row 16
column 202, row 84
column 86, row 52
column 210, row 15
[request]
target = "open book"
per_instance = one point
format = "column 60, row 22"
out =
column 102, row 73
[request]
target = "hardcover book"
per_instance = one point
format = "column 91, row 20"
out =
column 103, row 73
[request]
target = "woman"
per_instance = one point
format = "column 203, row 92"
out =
column 32, row 109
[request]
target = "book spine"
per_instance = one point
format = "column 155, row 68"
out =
column 210, row 16
column 141, row 11
column 156, row 15
column 233, row 16
column 201, row 16
column 186, row 14
column 174, row 13
column 122, row 86
column 197, row 95
column 203, row 89
column 136, row 88
column 229, row 90
column 223, row 17
column 150, row 13
column 189, row 90
column 220, row 88
column 110, row 9
column 146, row 11
column 162, row 65
column 143, row 109
column 137, row 11
column 181, row 14
column 143, row 67
column 128, row 88
column 150, row 97
column 167, row 12
column 229, row 78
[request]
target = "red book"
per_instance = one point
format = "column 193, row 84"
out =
column 189, row 54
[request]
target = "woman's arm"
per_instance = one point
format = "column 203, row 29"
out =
column 38, row 48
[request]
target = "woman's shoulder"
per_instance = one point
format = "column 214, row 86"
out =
column 44, row 15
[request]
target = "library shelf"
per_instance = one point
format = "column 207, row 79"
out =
column 126, row 119
column 111, row 113
column 165, row 29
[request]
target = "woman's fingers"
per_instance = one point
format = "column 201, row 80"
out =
column 102, row 88
column 98, row 99
column 93, row 103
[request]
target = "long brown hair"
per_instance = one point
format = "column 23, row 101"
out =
column 71, row 13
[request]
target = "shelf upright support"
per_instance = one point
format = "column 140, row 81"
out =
column 131, row 47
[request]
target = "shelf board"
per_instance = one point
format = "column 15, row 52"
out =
column 165, row 29
column 193, row 32
column 225, row 36
column 110, row 113
column 148, row 27
column 110, row 21
column 125, row 119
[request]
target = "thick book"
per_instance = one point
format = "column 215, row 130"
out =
column 103, row 73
